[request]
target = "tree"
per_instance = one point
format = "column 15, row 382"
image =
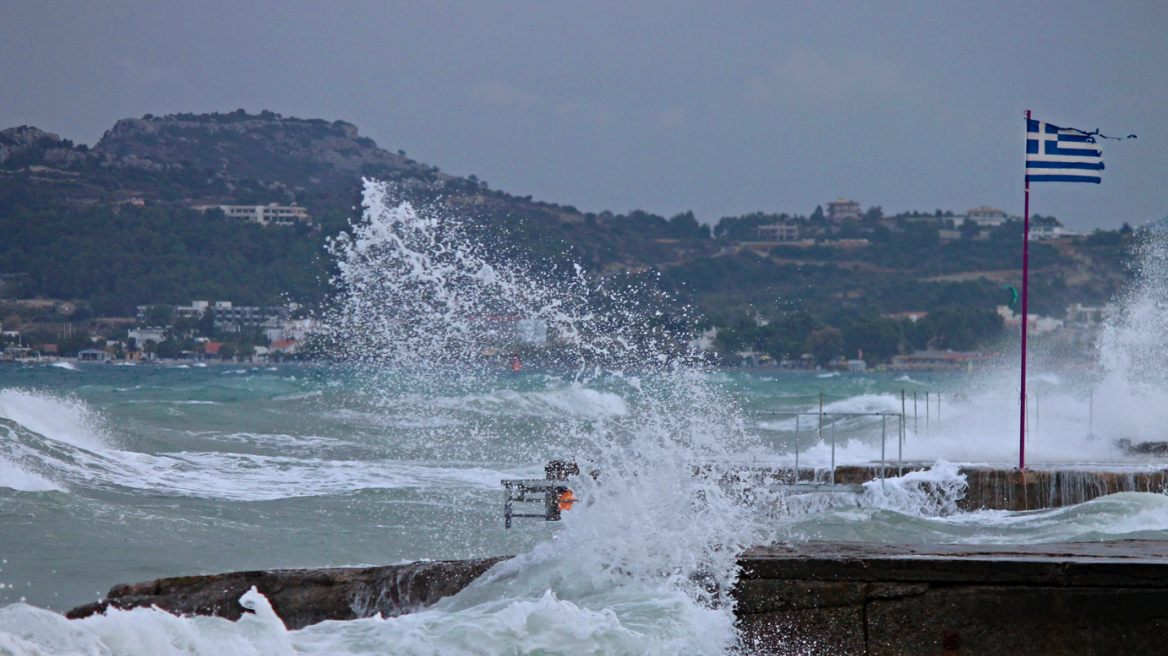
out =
column 878, row 338
column 825, row 344
column 206, row 323
column 817, row 215
column 159, row 315
column 970, row 229
column 957, row 328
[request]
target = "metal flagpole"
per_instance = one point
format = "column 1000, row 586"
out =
column 1025, row 316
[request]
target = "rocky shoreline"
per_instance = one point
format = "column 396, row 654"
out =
column 301, row 596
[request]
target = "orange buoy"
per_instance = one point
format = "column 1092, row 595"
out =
column 516, row 365
column 566, row 500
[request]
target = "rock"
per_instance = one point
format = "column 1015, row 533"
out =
column 301, row 596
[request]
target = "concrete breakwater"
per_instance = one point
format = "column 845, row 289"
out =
column 990, row 488
column 841, row 599
column 866, row 599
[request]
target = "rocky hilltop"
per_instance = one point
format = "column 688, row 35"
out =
column 210, row 157
column 125, row 204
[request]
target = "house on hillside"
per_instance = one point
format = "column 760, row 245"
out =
column 841, row 210
column 986, row 217
column 265, row 215
column 1045, row 227
column 778, row 232
column 910, row 316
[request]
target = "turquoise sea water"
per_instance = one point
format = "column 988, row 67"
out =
column 113, row 474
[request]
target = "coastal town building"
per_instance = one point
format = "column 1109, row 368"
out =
column 986, row 216
column 228, row 316
column 292, row 329
column 840, row 210
column 1082, row 315
column 910, row 316
column 1048, row 229
column 1035, row 325
column 778, row 232
column 270, row 214
column 283, row 347
column 143, row 335
column 92, row 355
column 936, row 361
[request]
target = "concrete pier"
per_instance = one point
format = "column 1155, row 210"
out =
column 866, row 599
column 993, row 488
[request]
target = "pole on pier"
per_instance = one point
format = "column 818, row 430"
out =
column 833, row 451
column 1025, row 316
column 1091, row 415
column 883, row 439
column 916, row 418
column 797, row 449
column 903, row 431
column 927, row 428
column 903, row 418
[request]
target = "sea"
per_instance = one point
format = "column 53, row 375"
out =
column 394, row 451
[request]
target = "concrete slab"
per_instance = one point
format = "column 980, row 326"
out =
column 1070, row 598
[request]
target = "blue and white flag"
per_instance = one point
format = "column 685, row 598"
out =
column 1055, row 154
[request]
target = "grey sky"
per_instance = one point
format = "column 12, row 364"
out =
column 723, row 108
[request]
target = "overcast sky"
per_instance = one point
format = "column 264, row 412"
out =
column 722, row 108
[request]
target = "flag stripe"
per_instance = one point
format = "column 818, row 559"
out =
column 1055, row 148
column 1063, row 178
column 1094, row 166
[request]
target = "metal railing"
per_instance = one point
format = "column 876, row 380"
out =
column 834, row 415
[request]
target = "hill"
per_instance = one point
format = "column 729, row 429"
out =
column 111, row 226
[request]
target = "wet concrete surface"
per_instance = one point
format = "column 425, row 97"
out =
column 857, row 598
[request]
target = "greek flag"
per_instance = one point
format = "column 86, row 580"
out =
column 1055, row 154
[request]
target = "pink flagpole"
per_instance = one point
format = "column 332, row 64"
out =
column 1025, row 316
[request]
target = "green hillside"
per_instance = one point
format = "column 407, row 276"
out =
column 111, row 226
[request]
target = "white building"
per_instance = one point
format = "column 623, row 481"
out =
column 1034, row 324
column 143, row 335
column 987, row 216
column 839, row 210
column 270, row 214
column 779, row 232
column 295, row 329
column 1082, row 315
column 1046, row 231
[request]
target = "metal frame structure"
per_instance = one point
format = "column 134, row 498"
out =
column 516, row 490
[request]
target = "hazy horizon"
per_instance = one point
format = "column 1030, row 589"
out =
column 665, row 107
